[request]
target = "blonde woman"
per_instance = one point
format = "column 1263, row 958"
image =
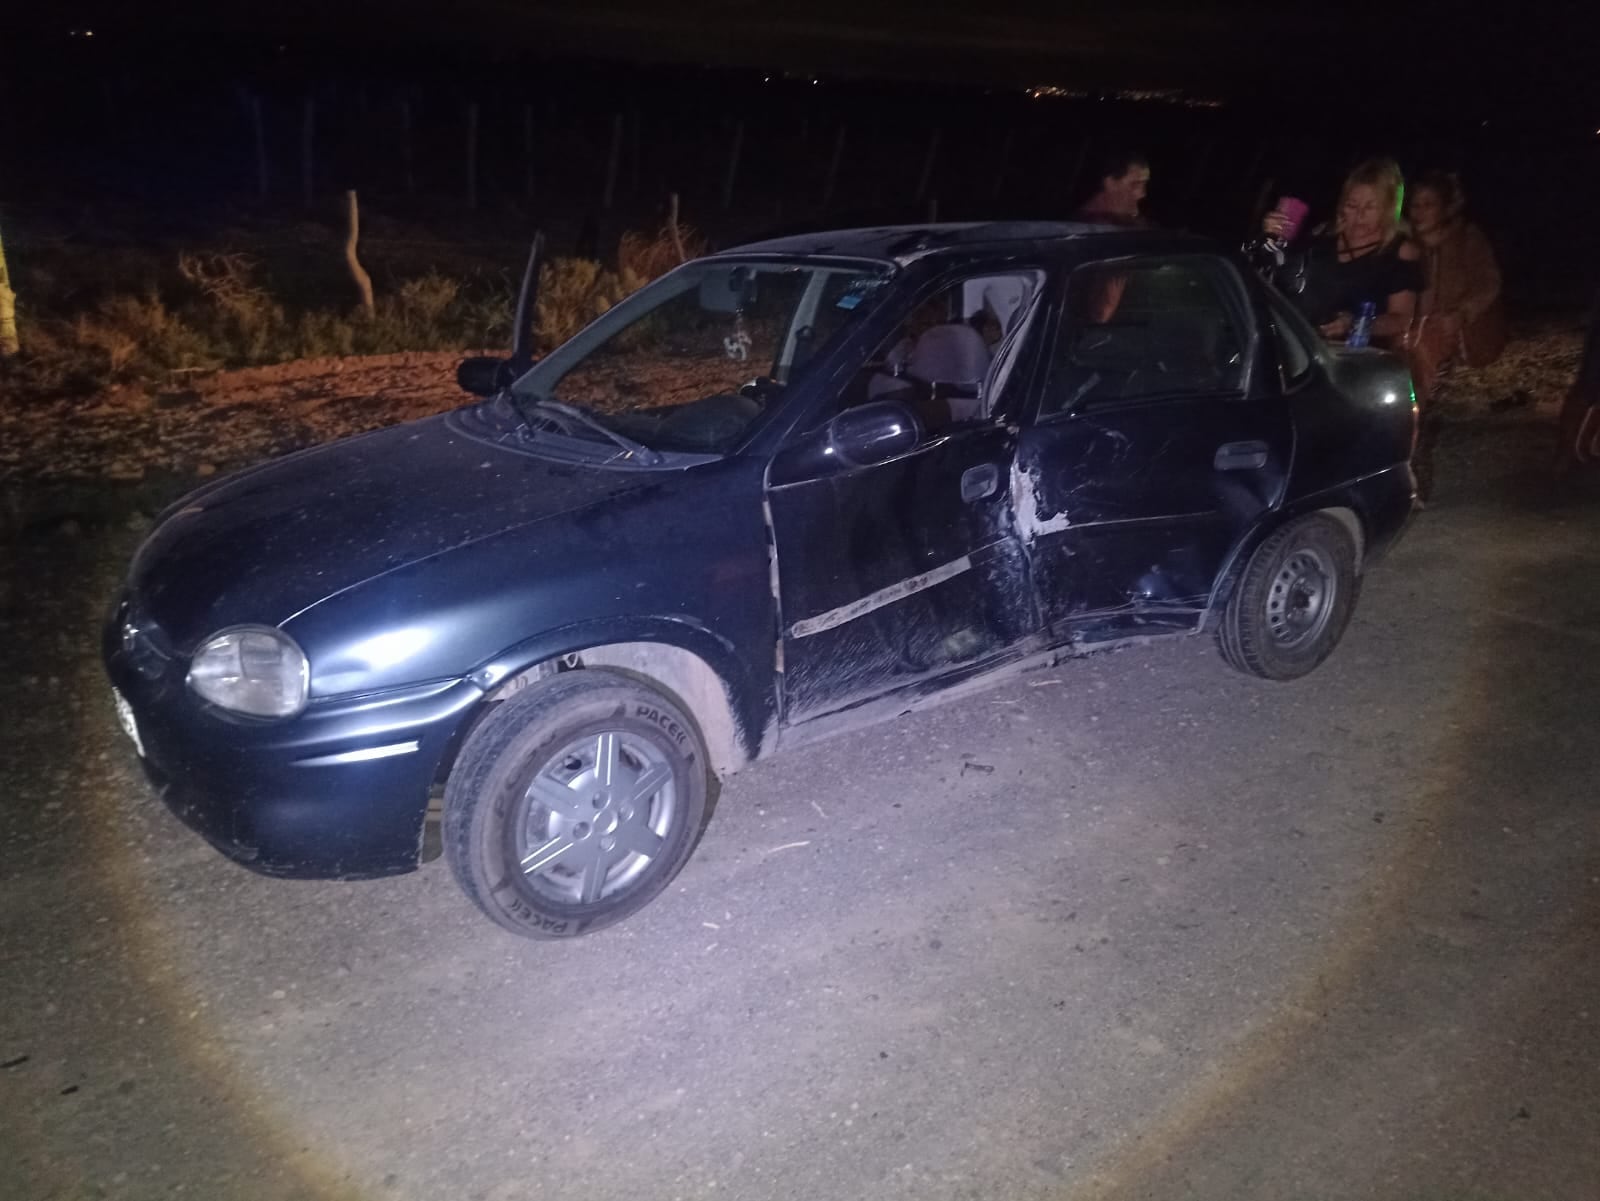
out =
column 1364, row 257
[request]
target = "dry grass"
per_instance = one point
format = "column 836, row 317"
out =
column 572, row 293
column 647, row 256
column 1531, row 378
column 208, row 310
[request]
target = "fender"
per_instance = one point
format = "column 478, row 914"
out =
column 1347, row 500
column 753, row 703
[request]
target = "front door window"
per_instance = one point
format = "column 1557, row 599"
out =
column 949, row 359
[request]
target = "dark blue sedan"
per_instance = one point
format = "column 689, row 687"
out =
column 782, row 491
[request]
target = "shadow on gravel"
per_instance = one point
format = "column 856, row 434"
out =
column 99, row 1036
column 1445, row 1047
column 1464, row 963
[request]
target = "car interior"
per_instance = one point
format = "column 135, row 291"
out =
column 947, row 356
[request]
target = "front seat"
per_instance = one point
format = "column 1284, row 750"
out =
column 953, row 353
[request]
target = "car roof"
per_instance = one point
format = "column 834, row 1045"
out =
column 905, row 244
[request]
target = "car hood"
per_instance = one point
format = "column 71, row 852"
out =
column 266, row 543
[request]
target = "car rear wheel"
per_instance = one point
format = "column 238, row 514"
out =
column 1292, row 604
column 574, row 803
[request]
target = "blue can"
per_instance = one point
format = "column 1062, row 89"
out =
column 1361, row 332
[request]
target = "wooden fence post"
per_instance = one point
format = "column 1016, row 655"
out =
column 352, row 233
column 733, row 164
column 1077, row 170
column 1250, row 173
column 635, row 149
column 928, row 162
column 308, row 135
column 1198, row 174
column 527, row 151
column 672, row 226
column 258, row 126
column 472, row 154
column 1258, row 209
column 9, row 345
column 407, row 158
column 832, row 176
column 613, row 162
column 1004, row 164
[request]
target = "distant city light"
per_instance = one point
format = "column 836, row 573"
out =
column 1128, row 95
column 1051, row 92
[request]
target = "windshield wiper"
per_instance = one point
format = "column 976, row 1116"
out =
column 646, row 455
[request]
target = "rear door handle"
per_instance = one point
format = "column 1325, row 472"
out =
column 1241, row 456
column 980, row 482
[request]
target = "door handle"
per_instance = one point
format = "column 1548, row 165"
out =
column 980, row 482
column 1241, row 456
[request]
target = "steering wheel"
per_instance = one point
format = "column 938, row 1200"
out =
column 714, row 419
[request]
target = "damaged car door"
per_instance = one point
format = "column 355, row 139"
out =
column 897, row 560
column 1159, row 441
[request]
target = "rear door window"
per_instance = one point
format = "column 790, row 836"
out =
column 1139, row 329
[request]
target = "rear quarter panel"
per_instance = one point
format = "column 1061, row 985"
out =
column 1353, row 418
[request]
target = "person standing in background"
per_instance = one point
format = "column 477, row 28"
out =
column 1460, row 314
column 1124, row 179
column 1580, row 415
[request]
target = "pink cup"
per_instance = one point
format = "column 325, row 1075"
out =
column 1294, row 213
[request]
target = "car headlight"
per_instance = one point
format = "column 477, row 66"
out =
column 252, row 669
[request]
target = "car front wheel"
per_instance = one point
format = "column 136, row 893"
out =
column 1292, row 604
column 574, row 803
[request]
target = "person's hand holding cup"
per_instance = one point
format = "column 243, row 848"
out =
column 1286, row 218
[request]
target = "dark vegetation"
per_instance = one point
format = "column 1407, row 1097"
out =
column 171, row 208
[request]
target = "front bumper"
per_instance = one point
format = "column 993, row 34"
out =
column 341, row 791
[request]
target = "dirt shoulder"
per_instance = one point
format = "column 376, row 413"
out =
column 205, row 423
column 63, row 456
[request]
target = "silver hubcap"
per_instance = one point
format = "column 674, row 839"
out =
column 1301, row 598
column 596, row 816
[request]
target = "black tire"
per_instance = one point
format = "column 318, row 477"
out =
column 504, row 804
column 1293, row 602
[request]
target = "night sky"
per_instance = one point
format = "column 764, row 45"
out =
column 1484, row 56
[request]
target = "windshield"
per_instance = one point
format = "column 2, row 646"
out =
column 689, row 363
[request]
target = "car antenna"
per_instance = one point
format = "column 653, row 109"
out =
column 522, row 327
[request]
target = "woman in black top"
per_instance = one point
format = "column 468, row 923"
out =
column 1364, row 258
